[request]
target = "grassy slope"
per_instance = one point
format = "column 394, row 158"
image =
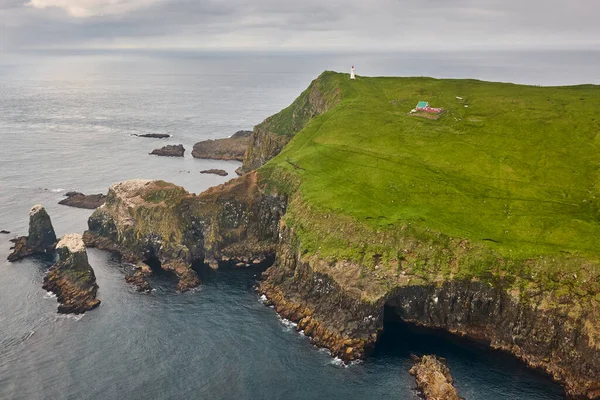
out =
column 516, row 172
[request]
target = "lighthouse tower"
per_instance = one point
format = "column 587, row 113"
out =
column 352, row 73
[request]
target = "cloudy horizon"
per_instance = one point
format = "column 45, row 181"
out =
column 311, row 25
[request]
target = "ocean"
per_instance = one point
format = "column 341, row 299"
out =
column 67, row 122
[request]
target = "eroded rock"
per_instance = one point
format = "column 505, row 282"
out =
column 220, row 172
column 80, row 200
column 72, row 278
column 154, row 135
column 434, row 379
column 232, row 148
column 171, row 150
column 41, row 238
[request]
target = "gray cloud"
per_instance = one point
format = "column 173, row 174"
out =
column 301, row 25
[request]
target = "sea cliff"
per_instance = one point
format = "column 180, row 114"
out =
column 368, row 211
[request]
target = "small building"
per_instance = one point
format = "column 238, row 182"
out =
column 425, row 107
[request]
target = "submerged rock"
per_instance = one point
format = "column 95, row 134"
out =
column 72, row 278
column 41, row 238
column 220, row 172
column 434, row 379
column 154, row 135
column 80, row 200
column 5, row 232
column 171, row 150
column 232, row 148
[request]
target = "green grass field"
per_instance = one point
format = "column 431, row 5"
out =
column 509, row 167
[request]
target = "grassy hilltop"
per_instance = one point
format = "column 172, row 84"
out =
column 510, row 172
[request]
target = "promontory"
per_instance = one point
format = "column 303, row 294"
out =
column 483, row 222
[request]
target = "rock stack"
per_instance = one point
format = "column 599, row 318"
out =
column 72, row 278
column 41, row 238
column 433, row 379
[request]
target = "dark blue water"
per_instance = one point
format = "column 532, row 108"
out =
column 66, row 124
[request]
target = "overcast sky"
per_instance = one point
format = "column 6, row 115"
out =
column 349, row 25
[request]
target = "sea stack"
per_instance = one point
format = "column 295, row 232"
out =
column 433, row 379
column 72, row 278
column 41, row 238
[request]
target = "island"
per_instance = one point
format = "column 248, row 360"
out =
column 80, row 200
column 171, row 150
column 483, row 222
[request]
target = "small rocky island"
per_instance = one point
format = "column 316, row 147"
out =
column 80, row 200
column 153, row 135
column 41, row 238
column 72, row 278
column 232, row 148
column 171, row 150
column 220, row 172
column 434, row 379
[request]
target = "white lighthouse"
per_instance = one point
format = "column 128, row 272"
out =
column 352, row 73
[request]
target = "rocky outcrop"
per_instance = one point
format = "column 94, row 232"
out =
column 271, row 136
column 138, row 277
column 158, row 221
column 232, row 148
column 434, row 379
column 4, row 232
column 41, row 238
column 153, row 135
column 80, row 200
column 72, row 278
column 220, row 172
column 171, row 150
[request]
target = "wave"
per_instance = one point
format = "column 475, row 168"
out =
column 75, row 317
column 49, row 295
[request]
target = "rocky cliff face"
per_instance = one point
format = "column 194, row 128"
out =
column 155, row 220
column 72, row 278
column 41, row 238
column 271, row 136
column 556, row 334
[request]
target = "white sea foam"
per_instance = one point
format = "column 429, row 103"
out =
column 75, row 317
column 49, row 295
column 57, row 190
column 289, row 325
column 262, row 298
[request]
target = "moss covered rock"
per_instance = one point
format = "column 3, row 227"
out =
column 72, row 278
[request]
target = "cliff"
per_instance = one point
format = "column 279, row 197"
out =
column 270, row 137
column 150, row 221
column 457, row 223
column 72, row 278
column 41, row 238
